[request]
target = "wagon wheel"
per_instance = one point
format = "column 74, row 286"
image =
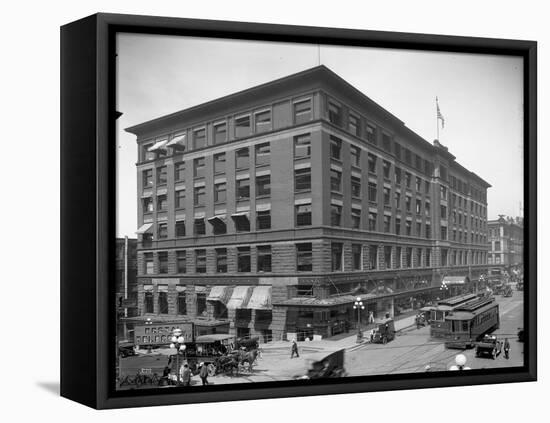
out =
column 211, row 369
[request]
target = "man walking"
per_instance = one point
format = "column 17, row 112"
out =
column 294, row 349
column 204, row 374
column 506, row 349
column 185, row 375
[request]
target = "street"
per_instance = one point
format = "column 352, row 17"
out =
column 411, row 351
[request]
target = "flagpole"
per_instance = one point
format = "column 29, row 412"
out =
column 436, row 119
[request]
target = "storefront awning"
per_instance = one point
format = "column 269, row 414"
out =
column 219, row 293
column 178, row 142
column 239, row 297
column 260, row 298
column 158, row 145
column 455, row 280
column 144, row 228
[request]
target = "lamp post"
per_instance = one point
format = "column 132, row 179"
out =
column 460, row 361
column 358, row 305
column 148, row 321
column 177, row 343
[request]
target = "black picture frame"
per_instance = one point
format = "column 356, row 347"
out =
column 88, row 207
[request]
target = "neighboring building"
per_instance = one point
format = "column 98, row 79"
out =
column 505, row 245
column 274, row 208
column 126, row 286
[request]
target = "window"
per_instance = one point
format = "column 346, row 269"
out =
column 372, row 163
column 199, row 226
column 243, row 259
column 221, row 260
column 373, row 256
column 372, row 191
column 147, row 205
column 387, row 257
column 220, row 133
column 242, row 126
column 263, row 219
column 444, row 257
column 428, row 230
column 398, row 257
column 162, row 230
column 418, row 184
column 162, row 175
column 356, row 186
column 386, row 166
column 335, row 180
column 263, row 185
column 199, row 196
column 372, row 221
column 427, row 187
column 263, row 121
column 397, row 172
column 335, row 148
column 219, row 163
column 334, row 113
column 181, row 262
column 386, row 142
column 397, row 226
column 146, row 154
column 408, row 257
column 180, row 198
column 408, row 203
column 397, row 150
column 418, row 257
column 304, row 257
column 264, row 258
column 397, row 197
column 220, row 192
column 336, row 249
column 418, row 208
column 427, row 208
column 302, row 111
column 199, row 138
column 182, row 302
column 219, row 226
column 302, row 146
column 198, row 167
column 263, row 152
column 179, row 171
column 163, row 262
column 497, row 246
column 387, row 223
column 242, row 222
column 161, row 202
column 243, row 189
column 242, row 158
column 443, row 192
column 180, row 228
column 418, row 162
column 408, row 178
column 387, row 196
column 200, row 261
column 163, row 301
column 408, row 228
column 443, row 172
column 355, row 156
column 303, row 214
column 355, row 218
column 148, row 302
column 428, row 257
column 418, row 228
column 354, row 124
column 149, row 263
column 201, row 304
column 443, row 210
column 408, row 159
column 443, row 232
column 302, row 179
column 147, row 178
column 335, row 215
column 371, row 134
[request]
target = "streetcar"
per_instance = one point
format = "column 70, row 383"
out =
column 436, row 314
column 469, row 322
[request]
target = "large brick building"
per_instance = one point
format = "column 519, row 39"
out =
column 273, row 208
column 505, row 244
column 126, row 287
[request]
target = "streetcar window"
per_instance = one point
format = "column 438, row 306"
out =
column 465, row 326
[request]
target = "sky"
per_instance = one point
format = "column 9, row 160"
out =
column 480, row 97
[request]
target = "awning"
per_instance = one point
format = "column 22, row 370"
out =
column 239, row 297
column 144, row 228
column 454, row 280
column 178, row 142
column 260, row 298
column 219, row 219
column 147, row 194
column 240, row 215
column 219, row 293
column 158, row 145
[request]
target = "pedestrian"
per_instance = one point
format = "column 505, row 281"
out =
column 506, row 349
column 203, row 373
column 185, row 375
column 371, row 317
column 294, row 349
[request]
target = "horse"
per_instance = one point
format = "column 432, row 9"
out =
column 249, row 357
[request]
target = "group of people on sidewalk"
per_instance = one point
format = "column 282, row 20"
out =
column 185, row 375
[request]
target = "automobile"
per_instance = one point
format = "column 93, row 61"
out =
column 384, row 332
column 325, row 366
column 126, row 349
column 507, row 292
column 489, row 345
column 521, row 335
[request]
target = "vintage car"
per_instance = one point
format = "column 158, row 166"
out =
column 488, row 346
column 507, row 292
column 325, row 366
column 126, row 349
column 383, row 332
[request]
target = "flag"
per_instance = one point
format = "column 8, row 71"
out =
column 439, row 115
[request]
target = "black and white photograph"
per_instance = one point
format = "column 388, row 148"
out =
column 292, row 211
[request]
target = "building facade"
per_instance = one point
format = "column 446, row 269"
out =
column 274, row 208
column 126, row 286
column 505, row 244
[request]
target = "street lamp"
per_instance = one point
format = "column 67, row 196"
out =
column 177, row 343
column 358, row 305
column 460, row 361
column 148, row 321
